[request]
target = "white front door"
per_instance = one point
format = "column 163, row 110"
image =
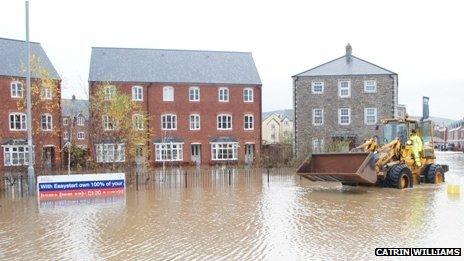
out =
column 196, row 153
column 249, row 153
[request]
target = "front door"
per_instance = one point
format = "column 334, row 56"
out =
column 249, row 153
column 196, row 154
column 48, row 157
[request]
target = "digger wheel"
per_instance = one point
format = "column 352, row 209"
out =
column 435, row 174
column 400, row 177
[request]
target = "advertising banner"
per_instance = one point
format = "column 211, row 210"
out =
column 82, row 185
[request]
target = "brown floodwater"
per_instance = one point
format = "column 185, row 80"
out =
column 246, row 216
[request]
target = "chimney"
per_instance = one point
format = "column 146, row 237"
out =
column 348, row 50
column 74, row 97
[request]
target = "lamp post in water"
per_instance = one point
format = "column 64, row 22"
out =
column 30, row 168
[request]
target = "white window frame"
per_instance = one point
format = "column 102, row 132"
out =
column 110, row 152
column 366, row 116
column 317, row 84
column 221, row 121
column 318, row 145
column 248, row 95
column 137, row 93
column 223, row 94
column 367, row 85
column 194, row 94
column 316, row 116
column 108, row 123
column 168, row 93
column 340, row 89
column 110, row 91
column 22, row 121
column 247, row 124
column 17, row 89
column 65, row 135
column 172, row 124
column 169, row 151
column 340, row 116
column 221, row 149
column 46, row 92
column 65, row 121
column 81, row 135
column 80, row 121
column 48, row 122
column 194, row 122
column 15, row 155
column 138, row 121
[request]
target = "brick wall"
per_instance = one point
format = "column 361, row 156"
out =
column 41, row 138
column 75, row 130
column 208, row 108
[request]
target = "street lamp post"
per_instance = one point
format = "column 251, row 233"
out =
column 30, row 168
column 71, row 126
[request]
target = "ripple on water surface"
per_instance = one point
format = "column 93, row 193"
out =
column 285, row 218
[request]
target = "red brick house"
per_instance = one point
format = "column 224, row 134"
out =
column 75, row 130
column 203, row 106
column 75, row 121
column 45, row 114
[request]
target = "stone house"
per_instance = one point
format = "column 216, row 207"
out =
column 277, row 128
column 46, row 99
column 203, row 107
column 342, row 100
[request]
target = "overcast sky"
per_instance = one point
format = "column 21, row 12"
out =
column 422, row 41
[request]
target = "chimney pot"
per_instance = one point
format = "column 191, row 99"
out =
column 348, row 50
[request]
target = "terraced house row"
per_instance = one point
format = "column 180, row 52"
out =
column 203, row 107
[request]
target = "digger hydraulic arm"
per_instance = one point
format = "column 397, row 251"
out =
column 369, row 145
column 388, row 153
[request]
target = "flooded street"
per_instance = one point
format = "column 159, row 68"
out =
column 244, row 216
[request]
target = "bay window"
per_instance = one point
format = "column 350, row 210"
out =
column 110, row 152
column 15, row 155
column 169, row 151
column 224, row 151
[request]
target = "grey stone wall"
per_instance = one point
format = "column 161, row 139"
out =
column 384, row 100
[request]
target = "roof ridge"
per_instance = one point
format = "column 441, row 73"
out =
column 175, row 50
column 373, row 64
column 318, row 66
column 16, row 40
column 70, row 99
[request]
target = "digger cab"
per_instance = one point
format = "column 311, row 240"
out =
column 402, row 128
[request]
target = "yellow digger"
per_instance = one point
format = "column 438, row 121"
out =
column 391, row 165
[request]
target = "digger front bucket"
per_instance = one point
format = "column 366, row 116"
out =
column 352, row 168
